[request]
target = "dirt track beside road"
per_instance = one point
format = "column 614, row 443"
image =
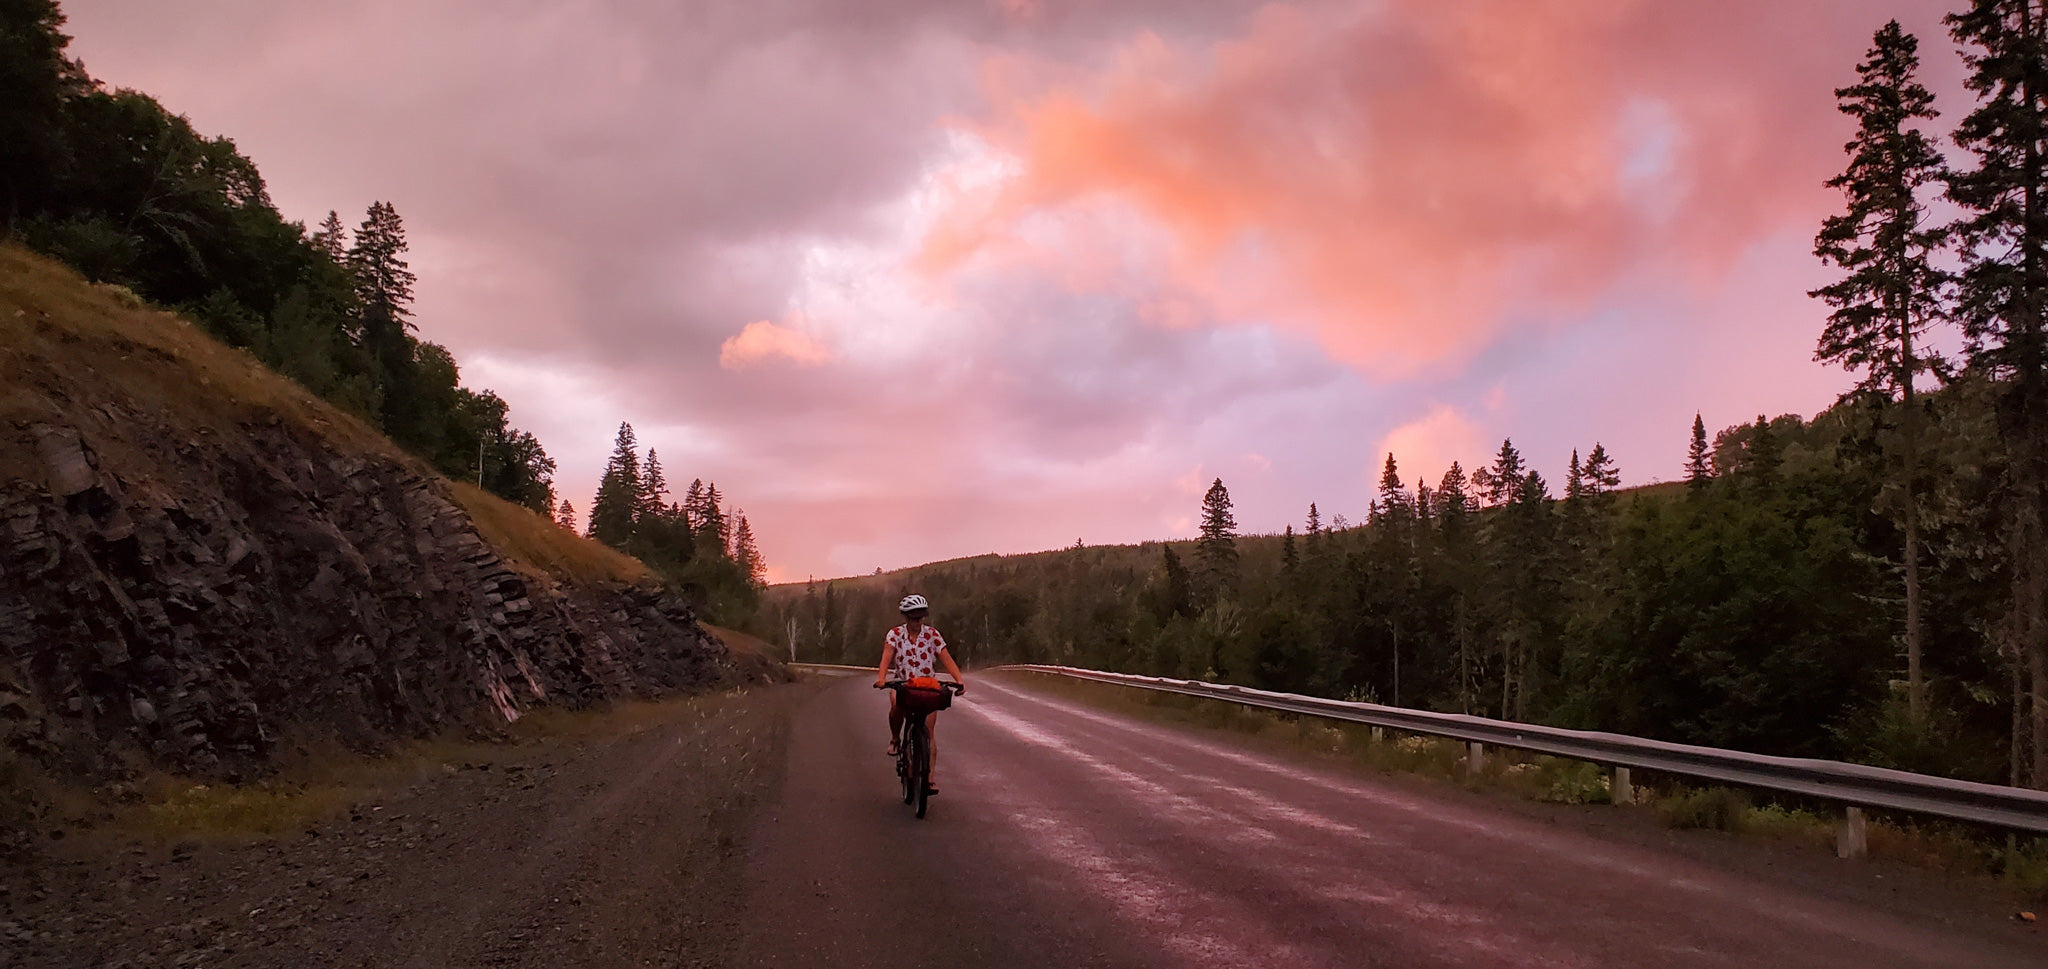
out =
column 604, row 850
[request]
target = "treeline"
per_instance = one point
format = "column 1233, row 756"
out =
column 1872, row 584
column 128, row 193
column 699, row 545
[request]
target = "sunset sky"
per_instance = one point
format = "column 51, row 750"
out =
column 915, row 279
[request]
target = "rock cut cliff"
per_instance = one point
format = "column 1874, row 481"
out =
column 200, row 563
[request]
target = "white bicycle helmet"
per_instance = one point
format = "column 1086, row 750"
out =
column 912, row 603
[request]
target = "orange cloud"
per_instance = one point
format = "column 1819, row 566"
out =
column 762, row 340
column 1390, row 182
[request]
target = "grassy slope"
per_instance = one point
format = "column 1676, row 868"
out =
column 90, row 356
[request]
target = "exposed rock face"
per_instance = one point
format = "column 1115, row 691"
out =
column 198, row 617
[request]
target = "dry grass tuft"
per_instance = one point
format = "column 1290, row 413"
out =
column 526, row 536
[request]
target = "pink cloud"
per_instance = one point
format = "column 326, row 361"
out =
column 1424, row 448
column 1396, row 181
column 762, row 340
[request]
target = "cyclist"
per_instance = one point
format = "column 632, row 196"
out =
column 912, row 650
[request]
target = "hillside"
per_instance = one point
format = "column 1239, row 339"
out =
column 204, row 564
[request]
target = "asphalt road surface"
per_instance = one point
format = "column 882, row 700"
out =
column 1068, row 836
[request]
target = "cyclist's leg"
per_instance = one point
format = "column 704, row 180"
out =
column 931, row 747
column 895, row 720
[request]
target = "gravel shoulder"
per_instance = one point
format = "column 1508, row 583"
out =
column 616, row 845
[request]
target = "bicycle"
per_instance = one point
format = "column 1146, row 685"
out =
column 914, row 753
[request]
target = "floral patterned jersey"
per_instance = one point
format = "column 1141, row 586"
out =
column 915, row 657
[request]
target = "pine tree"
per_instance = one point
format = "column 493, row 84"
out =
column 1315, row 520
column 612, row 510
column 713, row 529
column 1453, row 493
column 745, row 554
column 1393, row 507
column 1503, row 481
column 693, row 504
column 36, row 79
column 2003, row 294
column 1892, row 290
column 332, row 239
column 1217, row 547
column 1290, row 556
column 1600, row 477
column 1574, row 478
column 652, row 489
column 565, row 515
column 1766, row 453
column 383, row 283
column 1180, row 591
column 1698, row 470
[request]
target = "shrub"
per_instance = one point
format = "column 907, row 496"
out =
column 1716, row 808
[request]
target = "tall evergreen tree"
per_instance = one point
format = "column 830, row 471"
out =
column 744, row 552
column 649, row 500
column 1698, row 469
column 1599, row 476
column 2003, row 294
column 1453, row 492
column 1891, row 292
column 331, row 239
column 1503, row 481
column 1315, row 521
column 1290, row 556
column 693, row 504
column 383, row 280
column 565, row 515
column 1180, row 591
column 35, row 79
column 1395, row 507
column 1217, row 547
column 612, row 511
column 714, row 530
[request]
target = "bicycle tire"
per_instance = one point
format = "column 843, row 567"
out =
column 923, row 770
column 908, row 764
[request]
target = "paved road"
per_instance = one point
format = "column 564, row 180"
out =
column 1067, row 836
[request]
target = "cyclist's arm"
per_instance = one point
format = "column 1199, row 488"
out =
column 888, row 653
column 946, row 657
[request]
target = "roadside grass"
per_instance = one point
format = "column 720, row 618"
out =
column 63, row 339
column 322, row 780
column 526, row 536
column 2022, row 863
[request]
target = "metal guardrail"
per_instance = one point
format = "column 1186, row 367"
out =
column 829, row 668
column 1851, row 784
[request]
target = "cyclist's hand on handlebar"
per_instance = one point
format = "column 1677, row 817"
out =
column 961, row 688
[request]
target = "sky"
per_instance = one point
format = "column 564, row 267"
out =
column 918, row 279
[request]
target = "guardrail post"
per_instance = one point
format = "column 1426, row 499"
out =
column 1622, row 792
column 1475, row 759
column 1852, row 840
column 1379, row 735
